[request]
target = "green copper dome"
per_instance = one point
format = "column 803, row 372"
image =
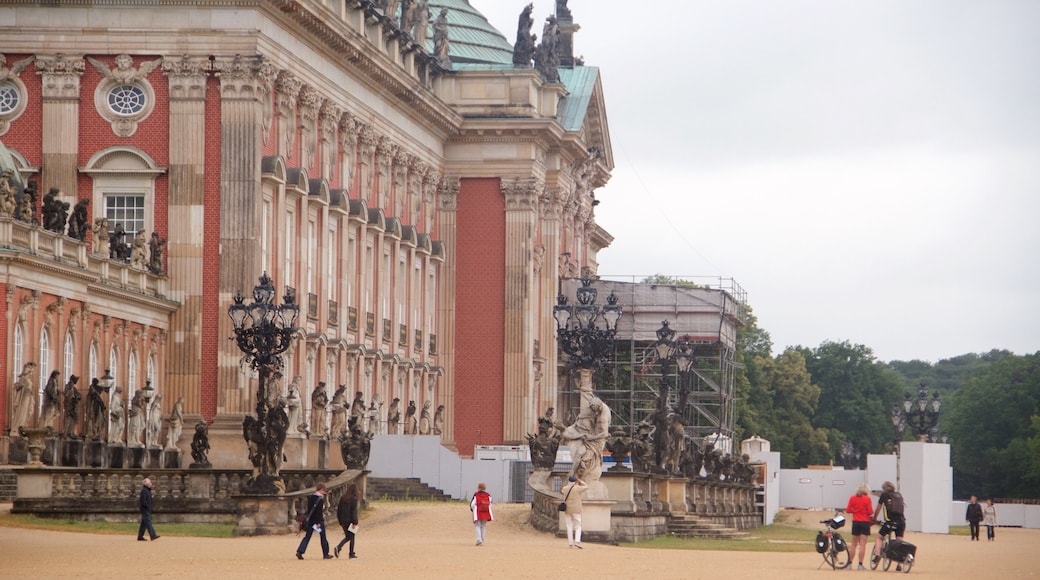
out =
column 473, row 39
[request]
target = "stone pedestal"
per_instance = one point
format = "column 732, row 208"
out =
column 671, row 492
column 171, row 459
column 621, row 490
column 34, row 483
column 72, row 453
column 926, row 482
column 262, row 516
column 323, row 454
column 18, row 451
column 96, row 454
column 51, row 452
column 136, row 458
column 595, row 522
column 155, row 458
column 116, row 455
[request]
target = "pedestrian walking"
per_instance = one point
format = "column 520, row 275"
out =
column 572, row 492
column 347, row 514
column 144, row 504
column 480, row 505
column 989, row 518
column 314, row 521
column 974, row 516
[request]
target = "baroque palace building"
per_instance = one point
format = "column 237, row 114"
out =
column 420, row 194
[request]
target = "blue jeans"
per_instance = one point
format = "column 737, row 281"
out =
column 146, row 525
column 307, row 539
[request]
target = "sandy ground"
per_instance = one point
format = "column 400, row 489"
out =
column 427, row 540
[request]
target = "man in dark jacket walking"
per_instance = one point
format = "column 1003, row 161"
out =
column 144, row 503
column 315, row 522
column 347, row 514
column 974, row 516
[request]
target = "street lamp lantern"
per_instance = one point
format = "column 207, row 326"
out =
column 920, row 414
column 263, row 331
column 578, row 327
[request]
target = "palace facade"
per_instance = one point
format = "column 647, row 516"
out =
column 418, row 193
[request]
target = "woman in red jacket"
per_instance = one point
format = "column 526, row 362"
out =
column 861, row 510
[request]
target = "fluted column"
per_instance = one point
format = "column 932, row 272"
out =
column 551, row 207
column 448, row 200
column 243, row 81
column 521, row 197
column 60, row 79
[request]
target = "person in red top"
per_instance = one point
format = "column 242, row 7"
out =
column 862, row 511
column 480, row 505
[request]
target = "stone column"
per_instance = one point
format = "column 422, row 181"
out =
column 60, row 79
column 187, row 171
column 552, row 209
column 448, row 198
column 521, row 196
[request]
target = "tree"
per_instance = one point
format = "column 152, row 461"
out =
column 751, row 400
column 856, row 396
column 784, row 398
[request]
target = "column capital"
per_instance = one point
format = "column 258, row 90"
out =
column 187, row 77
column 243, row 77
column 61, row 74
column 522, row 193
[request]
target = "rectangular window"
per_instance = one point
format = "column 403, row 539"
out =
column 128, row 210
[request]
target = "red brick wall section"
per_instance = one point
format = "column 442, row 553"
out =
column 24, row 135
column 211, row 256
column 479, row 314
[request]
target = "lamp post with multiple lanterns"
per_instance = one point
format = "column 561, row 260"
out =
column 263, row 331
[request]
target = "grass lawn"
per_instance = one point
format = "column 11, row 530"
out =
column 104, row 527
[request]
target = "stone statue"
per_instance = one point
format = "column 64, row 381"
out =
column 523, row 50
column 79, row 221
column 151, row 437
column 117, row 248
column 319, row 400
column 672, row 453
column 393, row 416
column 546, row 57
column 357, row 406
column 155, row 254
column 72, row 399
column 25, row 210
column 421, row 24
column 562, row 12
column 641, row 448
column 409, row 419
column 438, row 420
column 390, row 11
column 100, row 230
column 339, row 411
column 94, row 412
column 117, row 414
column 8, row 203
column 139, row 251
column 51, row 400
column 372, row 423
column 279, row 426
column 54, row 211
column 545, row 443
column 292, row 401
column 587, row 436
column 137, row 413
column 425, row 421
column 173, row 433
column 408, row 14
column 24, row 398
column 441, row 43
column 200, row 446
column 691, row 461
column 355, row 445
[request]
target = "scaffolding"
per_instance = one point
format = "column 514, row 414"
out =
column 705, row 314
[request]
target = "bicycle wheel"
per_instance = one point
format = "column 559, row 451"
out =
column 828, row 557
column 875, row 558
column 842, row 559
column 908, row 563
column 886, row 562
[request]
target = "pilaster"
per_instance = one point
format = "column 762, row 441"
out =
column 60, row 132
column 448, row 198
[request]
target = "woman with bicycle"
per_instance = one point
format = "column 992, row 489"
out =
column 862, row 510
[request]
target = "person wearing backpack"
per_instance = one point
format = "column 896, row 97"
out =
column 480, row 505
column 890, row 508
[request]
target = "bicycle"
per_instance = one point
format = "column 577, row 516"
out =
column 832, row 546
column 903, row 553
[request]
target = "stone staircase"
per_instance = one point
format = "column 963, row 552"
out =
column 691, row 526
column 8, row 485
column 401, row 489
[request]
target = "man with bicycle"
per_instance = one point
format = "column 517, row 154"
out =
column 890, row 507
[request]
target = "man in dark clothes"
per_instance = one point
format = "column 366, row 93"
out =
column 144, row 503
column 974, row 516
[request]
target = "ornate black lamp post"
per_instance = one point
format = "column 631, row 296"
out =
column 921, row 415
column 263, row 331
column 577, row 329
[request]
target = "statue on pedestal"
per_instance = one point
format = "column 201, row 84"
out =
column 173, row 433
column 137, row 412
column 139, row 251
column 319, row 400
column 425, row 421
column 72, row 399
column 101, row 240
column 151, row 438
column 545, row 443
column 94, row 412
column 7, row 194
column 587, row 436
column 51, row 400
column 117, row 248
column 24, row 398
column 409, row 419
column 355, row 445
column 357, row 406
column 79, row 221
column 200, row 446
column 117, row 414
column 393, row 416
column 438, row 420
column 339, row 411
column 292, row 401
column 25, row 209
column 441, row 42
column 155, row 254
column 524, row 48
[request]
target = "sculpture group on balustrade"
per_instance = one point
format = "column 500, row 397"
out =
column 144, row 253
column 95, row 421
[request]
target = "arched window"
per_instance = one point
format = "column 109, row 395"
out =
column 131, row 372
column 92, row 361
column 45, row 359
column 70, row 352
column 113, row 367
column 151, row 370
column 18, row 343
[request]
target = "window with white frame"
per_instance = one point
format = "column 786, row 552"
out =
column 45, row 358
column 19, row 339
column 131, row 370
column 92, row 360
column 124, row 189
column 151, row 367
column 70, row 355
column 113, row 367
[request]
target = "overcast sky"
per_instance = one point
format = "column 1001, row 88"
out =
column 867, row 171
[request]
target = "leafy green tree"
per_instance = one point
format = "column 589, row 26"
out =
column 856, row 396
column 751, row 401
column 785, row 398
